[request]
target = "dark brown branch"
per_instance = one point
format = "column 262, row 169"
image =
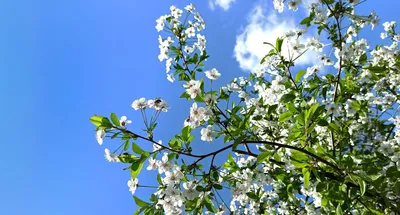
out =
column 297, row 149
column 201, row 157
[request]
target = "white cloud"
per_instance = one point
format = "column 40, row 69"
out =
column 249, row 48
column 224, row 4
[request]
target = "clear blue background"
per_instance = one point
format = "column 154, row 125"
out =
column 63, row 61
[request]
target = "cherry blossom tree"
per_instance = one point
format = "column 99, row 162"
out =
column 325, row 140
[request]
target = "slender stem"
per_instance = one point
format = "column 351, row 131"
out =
column 226, row 205
column 338, row 76
column 291, row 78
column 147, row 186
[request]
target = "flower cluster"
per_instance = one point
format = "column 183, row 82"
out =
column 183, row 32
column 171, row 195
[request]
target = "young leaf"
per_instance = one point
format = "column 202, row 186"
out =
column 356, row 105
column 136, row 168
column 299, row 75
column 96, row 120
column 363, row 186
column 140, row 202
column 137, row 149
column 263, row 156
column 278, row 44
column 114, row 119
column 307, row 179
column 285, row 116
column 339, row 210
column 287, row 98
column 186, row 133
column 210, row 206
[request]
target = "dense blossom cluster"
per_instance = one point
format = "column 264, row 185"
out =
column 184, row 33
column 322, row 140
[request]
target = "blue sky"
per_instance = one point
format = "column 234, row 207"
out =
column 63, row 61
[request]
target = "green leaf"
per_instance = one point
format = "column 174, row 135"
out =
column 190, row 205
column 195, row 58
column 126, row 145
column 328, row 1
column 217, row 186
column 278, row 44
column 356, row 105
column 263, row 156
column 375, row 69
column 101, row 121
column 115, row 135
column 289, row 190
column 199, row 98
column 175, row 143
column 269, row 44
column 333, row 127
column 140, row 210
column 204, row 56
column 323, row 122
column 291, row 107
column 96, row 120
column 300, row 156
column 223, row 95
column 210, row 206
column 307, row 179
column 253, row 196
column 114, row 119
column 299, row 75
column 285, row 116
column 339, row 210
column 363, row 59
column 159, row 179
column 185, row 95
column 128, row 158
column 311, row 111
column 137, row 167
column 137, row 149
column 306, row 21
column 140, row 202
column 287, row 98
column 186, row 133
column 363, row 186
column 397, row 188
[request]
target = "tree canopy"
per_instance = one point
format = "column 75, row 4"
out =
column 323, row 140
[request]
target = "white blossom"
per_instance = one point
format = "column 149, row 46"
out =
column 123, row 121
column 207, row 134
column 152, row 164
column 100, row 134
column 279, row 5
column 171, row 78
column 163, row 164
column 157, row 147
column 294, row 4
column 190, row 8
column 133, row 184
column 191, row 32
column 139, row 104
column 193, row 88
column 110, row 157
column 212, row 74
column 190, row 191
column 173, row 177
